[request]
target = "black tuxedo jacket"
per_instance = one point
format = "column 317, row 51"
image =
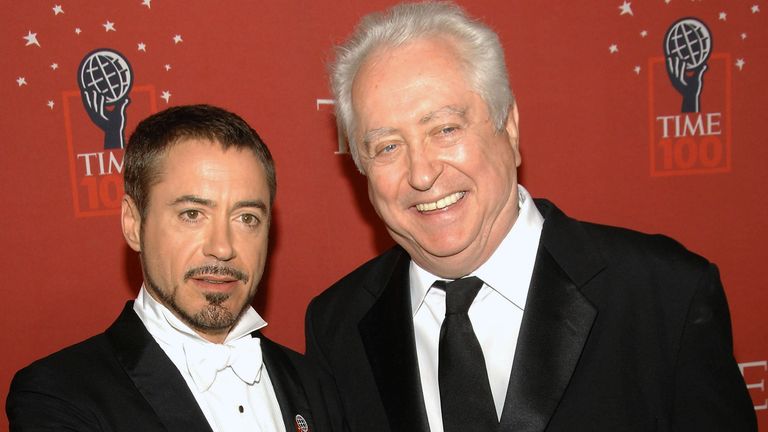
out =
column 622, row 331
column 122, row 380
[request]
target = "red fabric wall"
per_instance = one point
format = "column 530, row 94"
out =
column 591, row 140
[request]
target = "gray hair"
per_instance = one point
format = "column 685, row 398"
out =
column 478, row 46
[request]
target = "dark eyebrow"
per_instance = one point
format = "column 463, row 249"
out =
column 194, row 200
column 259, row 204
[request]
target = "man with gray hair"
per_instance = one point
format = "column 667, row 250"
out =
column 496, row 311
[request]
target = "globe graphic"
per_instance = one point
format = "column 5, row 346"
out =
column 690, row 41
column 106, row 72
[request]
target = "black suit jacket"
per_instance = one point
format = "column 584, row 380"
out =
column 122, row 380
column 622, row 331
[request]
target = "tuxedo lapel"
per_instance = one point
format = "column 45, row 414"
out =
column 556, row 324
column 285, row 381
column 387, row 334
column 155, row 376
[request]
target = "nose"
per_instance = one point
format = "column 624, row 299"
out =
column 423, row 168
column 218, row 243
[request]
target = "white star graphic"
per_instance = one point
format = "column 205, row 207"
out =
column 644, row 33
column 167, row 67
column 755, row 9
column 723, row 16
column 740, row 63
column 31, row 38
column 637, row 69
column 177, row 39
column 50, row 104
column 54, row 66
column 613, row 48
column 109, row 26
column 743, row 36
column 667, row 1
column 166, row 96
column 78, row 31
column 142, row 46
column 147, row 3
column 57, row 10
column 626, row 8
column 21, row 81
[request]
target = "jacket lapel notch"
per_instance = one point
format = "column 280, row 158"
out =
column 555, row 328
column 387, row 335
column 155, row 376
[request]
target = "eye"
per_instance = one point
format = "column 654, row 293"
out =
column 448, row 130
column 386, row 151
column 190, row 215
column 389, row 148
column 250, row 219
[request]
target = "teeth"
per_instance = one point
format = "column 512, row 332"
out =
column 441, row 203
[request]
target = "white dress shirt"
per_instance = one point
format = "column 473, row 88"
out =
column 229, row 404
column 496, row 313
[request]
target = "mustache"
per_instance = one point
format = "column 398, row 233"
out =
column 216, row 270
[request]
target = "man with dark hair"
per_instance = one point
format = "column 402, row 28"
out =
column 187, row 354
column 497, row 312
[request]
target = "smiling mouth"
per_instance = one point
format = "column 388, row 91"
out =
column 441, row 203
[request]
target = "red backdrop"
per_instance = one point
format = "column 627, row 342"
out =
column 594, row 99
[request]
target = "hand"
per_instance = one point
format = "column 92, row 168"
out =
column 112, row 122
column 687, row 82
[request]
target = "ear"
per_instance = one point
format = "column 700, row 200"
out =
column 513, row 130
column 131, row 220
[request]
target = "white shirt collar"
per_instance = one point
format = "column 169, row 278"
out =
column 169, row 329
column 509, row 268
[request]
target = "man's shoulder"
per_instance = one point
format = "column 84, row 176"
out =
column 366, row 281
column 631, row 246
column 622, row 251
column 281, row 360
column 66, row 368
column 279, row 352
column 614, row 243
column 80, row 356
column 96, row 384
column 66, row 371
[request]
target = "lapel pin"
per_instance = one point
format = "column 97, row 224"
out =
column 301, row 424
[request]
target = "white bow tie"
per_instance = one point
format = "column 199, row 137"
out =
column 205, row 360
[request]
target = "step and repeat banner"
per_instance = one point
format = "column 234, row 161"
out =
column 650, row 115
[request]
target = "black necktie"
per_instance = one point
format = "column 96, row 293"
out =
column 465, row 393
